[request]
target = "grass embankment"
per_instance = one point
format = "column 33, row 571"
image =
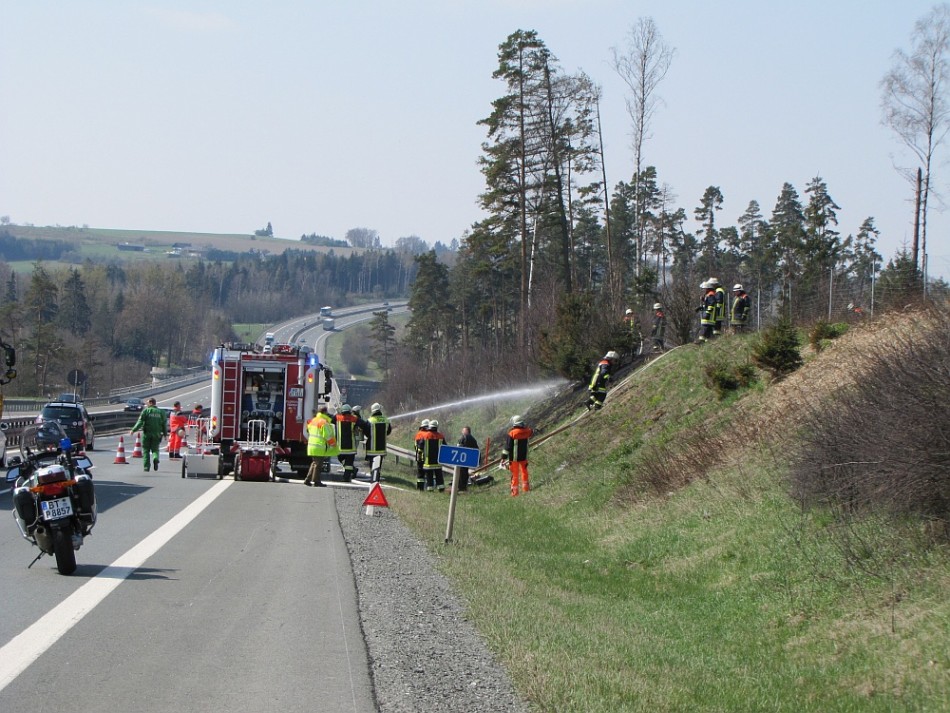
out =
column 621, row 583
column 249, row 332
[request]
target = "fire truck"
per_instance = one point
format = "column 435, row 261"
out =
column 281, row 388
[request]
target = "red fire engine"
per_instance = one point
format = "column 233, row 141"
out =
column 281, row 388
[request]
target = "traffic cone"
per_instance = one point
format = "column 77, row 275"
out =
column 120, row 453
column 137, row 449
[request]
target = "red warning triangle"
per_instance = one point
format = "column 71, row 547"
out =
column 376, row 497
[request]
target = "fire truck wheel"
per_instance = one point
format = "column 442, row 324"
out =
column 237, row 468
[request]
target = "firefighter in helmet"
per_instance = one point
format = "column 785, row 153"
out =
column 515, row 455
column 659, row 327
column 707, row 312
column 420, row 456
column 347, row 424
column 719, row 315
column 600, row 379
column 378, row 428
column 741, row 307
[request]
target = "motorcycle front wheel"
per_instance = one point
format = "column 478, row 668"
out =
column 64, row 552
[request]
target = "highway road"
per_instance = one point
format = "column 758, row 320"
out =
column 190, row 595
column 301, row 330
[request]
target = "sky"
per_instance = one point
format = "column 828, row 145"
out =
column 320, row 116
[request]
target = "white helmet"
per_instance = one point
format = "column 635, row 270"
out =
column 345, row 408
column 517, row 421
column 714, row 282
column 612, row 355
column 704, row 285
column 425, row 423
column 657, row 306
column 629, row 311
column 737, row 288
column 433, row 424
column 375, row 408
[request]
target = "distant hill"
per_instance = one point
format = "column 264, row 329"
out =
column 103, row 243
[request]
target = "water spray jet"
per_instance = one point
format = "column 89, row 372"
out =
column 508, row 394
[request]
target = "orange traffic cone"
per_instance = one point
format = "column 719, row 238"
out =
column 137, row 449
column 120, row 453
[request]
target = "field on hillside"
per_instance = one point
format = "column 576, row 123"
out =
column 660, row 564
column 100, row 243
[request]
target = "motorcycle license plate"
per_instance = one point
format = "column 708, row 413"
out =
column 56, row 509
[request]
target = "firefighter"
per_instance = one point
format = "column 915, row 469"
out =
column 598, row 382
column 515, row 454
column 419, row 440
column 707, row 313
column 632, row 332
column 741, row 306
column 433, row 469
column 360, row 434
column 176, row 430
column 720, row 312
column 321, row 445
column 659, row 327
column 377, row 429
column 346, row 437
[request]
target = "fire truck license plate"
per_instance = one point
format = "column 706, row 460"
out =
column 56, row 509
column 295, row 392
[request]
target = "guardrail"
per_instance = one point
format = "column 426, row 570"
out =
column 15, row 405
column 106, row 424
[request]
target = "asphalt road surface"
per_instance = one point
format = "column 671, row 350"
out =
column 190, row 595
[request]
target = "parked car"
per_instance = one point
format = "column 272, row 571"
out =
column 69, row 398
column 134, row 404
column 75, row 420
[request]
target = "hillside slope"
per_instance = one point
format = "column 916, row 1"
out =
column 659, row 562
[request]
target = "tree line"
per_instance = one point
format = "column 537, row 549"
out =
column 542, row 282
column 114, row 322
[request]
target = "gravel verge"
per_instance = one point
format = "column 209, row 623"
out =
column 424, row 654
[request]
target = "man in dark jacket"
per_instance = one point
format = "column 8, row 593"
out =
column 466, row 440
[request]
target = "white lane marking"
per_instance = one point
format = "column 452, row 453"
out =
column 25, row 648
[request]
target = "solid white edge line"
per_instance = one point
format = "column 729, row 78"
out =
column 29, row 645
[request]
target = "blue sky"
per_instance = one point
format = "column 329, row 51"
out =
column 219, row 116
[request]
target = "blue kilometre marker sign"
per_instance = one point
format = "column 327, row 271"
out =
column 456, row 455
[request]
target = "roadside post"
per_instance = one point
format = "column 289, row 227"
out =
column 457, row 457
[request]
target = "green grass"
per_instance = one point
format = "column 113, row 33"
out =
column 249, row 332
column 600, row 594
column 100, row 243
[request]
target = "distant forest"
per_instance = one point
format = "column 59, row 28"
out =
column 116, row 321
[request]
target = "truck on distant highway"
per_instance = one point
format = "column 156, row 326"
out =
column 326, row 311
column 328, row 324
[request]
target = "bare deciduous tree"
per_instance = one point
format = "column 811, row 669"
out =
column 642, row 66
column 915, row 103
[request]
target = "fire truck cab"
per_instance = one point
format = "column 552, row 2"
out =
column 282, row 387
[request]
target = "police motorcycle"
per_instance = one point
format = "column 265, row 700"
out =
column 53, row 496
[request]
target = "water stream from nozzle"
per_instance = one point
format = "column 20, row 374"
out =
column 508, row 394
